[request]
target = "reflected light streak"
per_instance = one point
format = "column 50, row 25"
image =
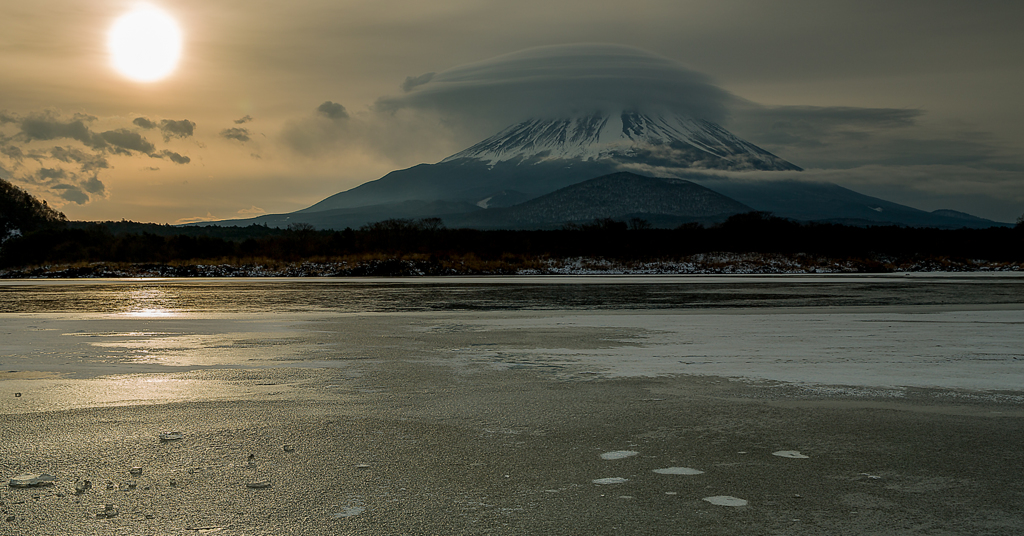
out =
column 151, row 313
column 149, row 303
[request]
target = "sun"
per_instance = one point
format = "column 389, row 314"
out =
column 145, row 44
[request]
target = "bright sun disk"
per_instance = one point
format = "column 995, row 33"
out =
column 145, row 44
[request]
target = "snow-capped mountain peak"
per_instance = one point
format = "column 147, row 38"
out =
column 671, row 139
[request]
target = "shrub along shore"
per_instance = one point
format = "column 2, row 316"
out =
column 747, row 243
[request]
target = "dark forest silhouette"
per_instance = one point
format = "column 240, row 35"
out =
column 431, row 243
column 35, row 235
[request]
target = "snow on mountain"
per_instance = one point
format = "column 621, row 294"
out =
column 672, row 139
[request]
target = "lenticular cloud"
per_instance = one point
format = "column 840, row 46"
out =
column 557, row 81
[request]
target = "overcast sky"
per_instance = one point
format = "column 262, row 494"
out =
column 276, row 105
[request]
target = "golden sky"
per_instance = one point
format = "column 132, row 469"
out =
column 275, row 105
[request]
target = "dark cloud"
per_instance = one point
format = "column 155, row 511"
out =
column 94, row 186
column 71, row 192
column 241, row 134
column 70, row 186
column 169, row 127
column 332, row 110
column 416, row 81
column 173, row 157
column 88, row 161
column 562, row 80
column 243, row 120
column 402, row 137
column 847, row 138
column 13, row 152
column 142, row 122
column 45, row 174
column 177, row 129
column 44, row 128
column 7, row 117
column 815, row 126
column 71, row 172
column 124, row 141
column 87, row 118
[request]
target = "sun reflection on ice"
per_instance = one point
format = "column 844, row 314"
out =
column 150, row 313
column 149, row 303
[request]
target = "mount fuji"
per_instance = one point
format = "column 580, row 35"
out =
column 537, row 157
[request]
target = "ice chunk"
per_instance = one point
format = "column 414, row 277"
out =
column 726, row 500
column 678, row 471
column 31, row 480
column 618, row 454
column 789, row 454
column 611, row 480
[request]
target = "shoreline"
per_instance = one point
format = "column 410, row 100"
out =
column 701, row 264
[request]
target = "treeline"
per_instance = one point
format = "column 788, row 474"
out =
column 20, row 212
column 756, row 232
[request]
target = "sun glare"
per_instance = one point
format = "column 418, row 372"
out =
column 145, row 44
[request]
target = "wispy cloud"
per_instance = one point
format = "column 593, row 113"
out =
column 170, row 128
column 332, row 110
column 239, row 134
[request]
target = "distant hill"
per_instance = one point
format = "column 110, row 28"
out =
column 830, row 203
column 621, row 196
column 355, row 217
column 21, row 212
column 965, row 217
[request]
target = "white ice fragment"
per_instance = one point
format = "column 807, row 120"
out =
column 789, row 454
column 349, row 512
column 611, row 480
column 618, row 454
column 726, row 500
column 171, row 436
column 30, row 480
column 678, row 471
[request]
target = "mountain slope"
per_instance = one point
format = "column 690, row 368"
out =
column 618, row 196
column 469, row 181
column 826, row 202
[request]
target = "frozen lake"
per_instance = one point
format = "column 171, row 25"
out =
column 564, row 405
column 874, row 333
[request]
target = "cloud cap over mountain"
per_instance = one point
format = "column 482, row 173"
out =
column 555, row 81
